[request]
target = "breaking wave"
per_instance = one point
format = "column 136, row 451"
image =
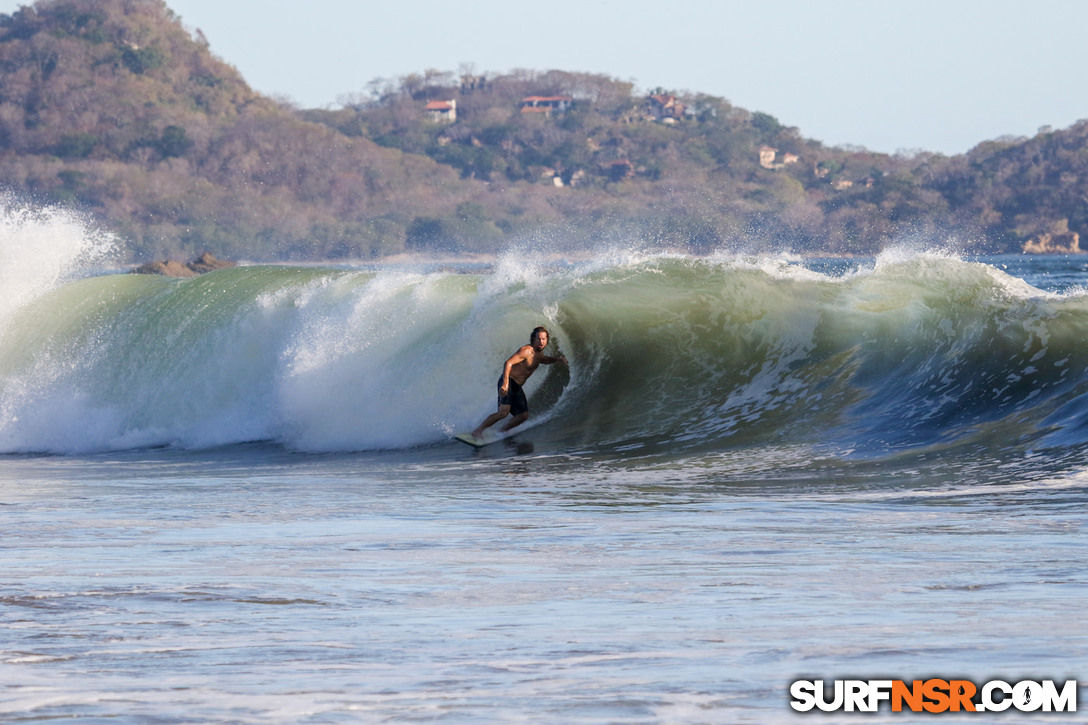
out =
column 910, row 351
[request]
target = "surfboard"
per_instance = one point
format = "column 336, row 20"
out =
column 469, row 439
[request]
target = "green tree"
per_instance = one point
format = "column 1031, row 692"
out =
column 174, row 142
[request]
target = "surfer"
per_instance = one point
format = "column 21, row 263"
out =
column 515, row 372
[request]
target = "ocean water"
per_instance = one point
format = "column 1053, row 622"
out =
column 235, row 498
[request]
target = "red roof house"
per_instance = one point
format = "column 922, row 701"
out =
column 442, row 111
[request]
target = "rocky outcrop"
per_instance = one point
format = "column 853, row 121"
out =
column 1059, row 243
column 207, row 263
column 171, row 268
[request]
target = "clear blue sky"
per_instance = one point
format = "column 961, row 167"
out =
column 939, row 75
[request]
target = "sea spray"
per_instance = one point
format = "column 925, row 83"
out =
column 40, row 247
column 375, row 362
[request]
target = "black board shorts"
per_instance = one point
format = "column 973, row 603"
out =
column 515, row 398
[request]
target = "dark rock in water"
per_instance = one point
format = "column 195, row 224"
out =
column 207, row 263
column 170, row 268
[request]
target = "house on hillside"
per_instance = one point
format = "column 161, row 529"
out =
column 664, row 108
column 769, row 154
column 546, row 104
column 766, row 156
column 442, row 111
column 471, row 83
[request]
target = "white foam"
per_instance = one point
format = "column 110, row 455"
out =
column 42, row 247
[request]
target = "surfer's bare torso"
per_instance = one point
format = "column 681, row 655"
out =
column 517, row 369
column 522, row 363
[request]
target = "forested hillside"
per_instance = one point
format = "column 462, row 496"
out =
column 112, row 105
column 116, row 107
column 692, row 171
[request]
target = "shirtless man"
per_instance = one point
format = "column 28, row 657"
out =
column 515, row 372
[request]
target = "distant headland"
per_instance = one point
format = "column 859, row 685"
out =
column 114, row 107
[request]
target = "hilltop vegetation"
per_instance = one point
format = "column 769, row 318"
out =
column 112, row 105
column 115, row 107
column 616, row 159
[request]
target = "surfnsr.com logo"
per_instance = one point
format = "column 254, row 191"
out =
column 933, row 695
